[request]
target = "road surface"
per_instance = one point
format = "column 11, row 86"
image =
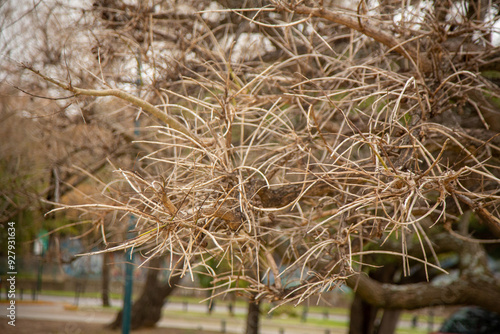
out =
column 63, row 309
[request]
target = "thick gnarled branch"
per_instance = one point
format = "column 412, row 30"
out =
column 478, row 291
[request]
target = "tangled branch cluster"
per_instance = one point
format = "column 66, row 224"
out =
column 289, row 169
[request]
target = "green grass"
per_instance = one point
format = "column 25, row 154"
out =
column 411, row 331
column 286, row 315
column 61, row 293
column 276, row 321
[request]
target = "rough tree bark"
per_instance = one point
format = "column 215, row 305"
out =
column 146, row 310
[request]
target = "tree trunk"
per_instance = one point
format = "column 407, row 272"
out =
column 389, row 322
column 362, row 318
column 105, row 279
column 146, row 310
column 253, row 317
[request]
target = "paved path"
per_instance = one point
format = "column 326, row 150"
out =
column 62, row 309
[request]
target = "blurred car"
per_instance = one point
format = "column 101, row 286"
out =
column 471, row 320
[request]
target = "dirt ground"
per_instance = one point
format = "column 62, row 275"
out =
column 24, row 326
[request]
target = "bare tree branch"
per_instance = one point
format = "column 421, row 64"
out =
column 371, row 28
column 145, row 105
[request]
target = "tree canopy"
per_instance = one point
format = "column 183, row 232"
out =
column 304, row 143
